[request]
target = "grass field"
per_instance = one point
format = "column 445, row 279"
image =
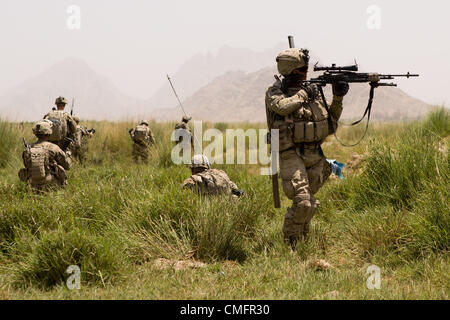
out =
column 118, row 221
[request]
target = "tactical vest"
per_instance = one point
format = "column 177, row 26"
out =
column 310, row 124
column 313, row 126
column 36, row 165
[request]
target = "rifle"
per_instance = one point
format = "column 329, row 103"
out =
column 274, row 176
column 25, row 144
column 71, row 109
column 334, row 74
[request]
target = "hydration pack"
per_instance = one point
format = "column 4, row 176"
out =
column 59, row 126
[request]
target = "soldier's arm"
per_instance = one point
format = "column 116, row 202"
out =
column 131, row 133
column 189, row 183
column 336, row 107
column 282, row 104
column 63, row 159
column 71, row 124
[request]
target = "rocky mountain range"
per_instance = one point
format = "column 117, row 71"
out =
column 239, row 96
column 227, row 86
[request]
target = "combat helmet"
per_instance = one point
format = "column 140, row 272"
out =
column 42, row 128
column 144, row 122
column 186, row 119
column 61, row 100
column 290, row 59
column 200, row 161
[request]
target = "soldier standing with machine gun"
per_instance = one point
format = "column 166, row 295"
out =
column 299, row 110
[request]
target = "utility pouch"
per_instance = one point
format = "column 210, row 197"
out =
column 299, row 132
column 322, row 130
column 309, row 132
column 285, row 134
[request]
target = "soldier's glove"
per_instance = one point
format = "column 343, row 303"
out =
column 340, row 88
column 238, row 193
column 311, row 90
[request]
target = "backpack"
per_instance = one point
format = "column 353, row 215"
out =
column 36, row 162
column 140, row 134
column 59, row 125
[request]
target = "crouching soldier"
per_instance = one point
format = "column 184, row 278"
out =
column 209, row 181
column 142, row 137
column 45, row 163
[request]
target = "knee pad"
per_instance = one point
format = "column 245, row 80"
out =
column 304, row 211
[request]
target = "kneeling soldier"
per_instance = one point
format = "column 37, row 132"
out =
column 45, row 163
column 209, row 181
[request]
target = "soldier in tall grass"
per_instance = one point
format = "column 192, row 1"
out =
column 304, row 122
column 143, row 138
column 209, row 181
column 64, row 126
column 45, row 163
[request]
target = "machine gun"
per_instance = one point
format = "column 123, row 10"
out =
column 349, row 74
column 334, row 74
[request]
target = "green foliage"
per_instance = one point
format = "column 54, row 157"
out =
column 8, row 142
column 43, row 261
column 115, row 218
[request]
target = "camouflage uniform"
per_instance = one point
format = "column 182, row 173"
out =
column 141, row 146
column 45, row 163
column 304, row 123
column 209, row 181
column 68, row 123
column 183, row 125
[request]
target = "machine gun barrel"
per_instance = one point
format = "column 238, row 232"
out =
column 391, row 76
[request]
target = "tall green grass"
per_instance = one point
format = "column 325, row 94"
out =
column 116, row 217
column 8, row 142
column 400, row 203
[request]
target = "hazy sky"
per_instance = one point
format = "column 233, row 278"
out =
column 136, row 42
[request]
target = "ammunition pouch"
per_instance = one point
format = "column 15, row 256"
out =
column 311, row 131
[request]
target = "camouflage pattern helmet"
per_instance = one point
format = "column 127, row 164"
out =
column 61, row 100
column 186, row 119
column 43, row 128
column 77, row 119
column 290, row 59
column 144, row 122
column 200, row 161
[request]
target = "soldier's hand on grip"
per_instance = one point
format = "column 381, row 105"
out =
column 311, row 90
column 340, row 88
